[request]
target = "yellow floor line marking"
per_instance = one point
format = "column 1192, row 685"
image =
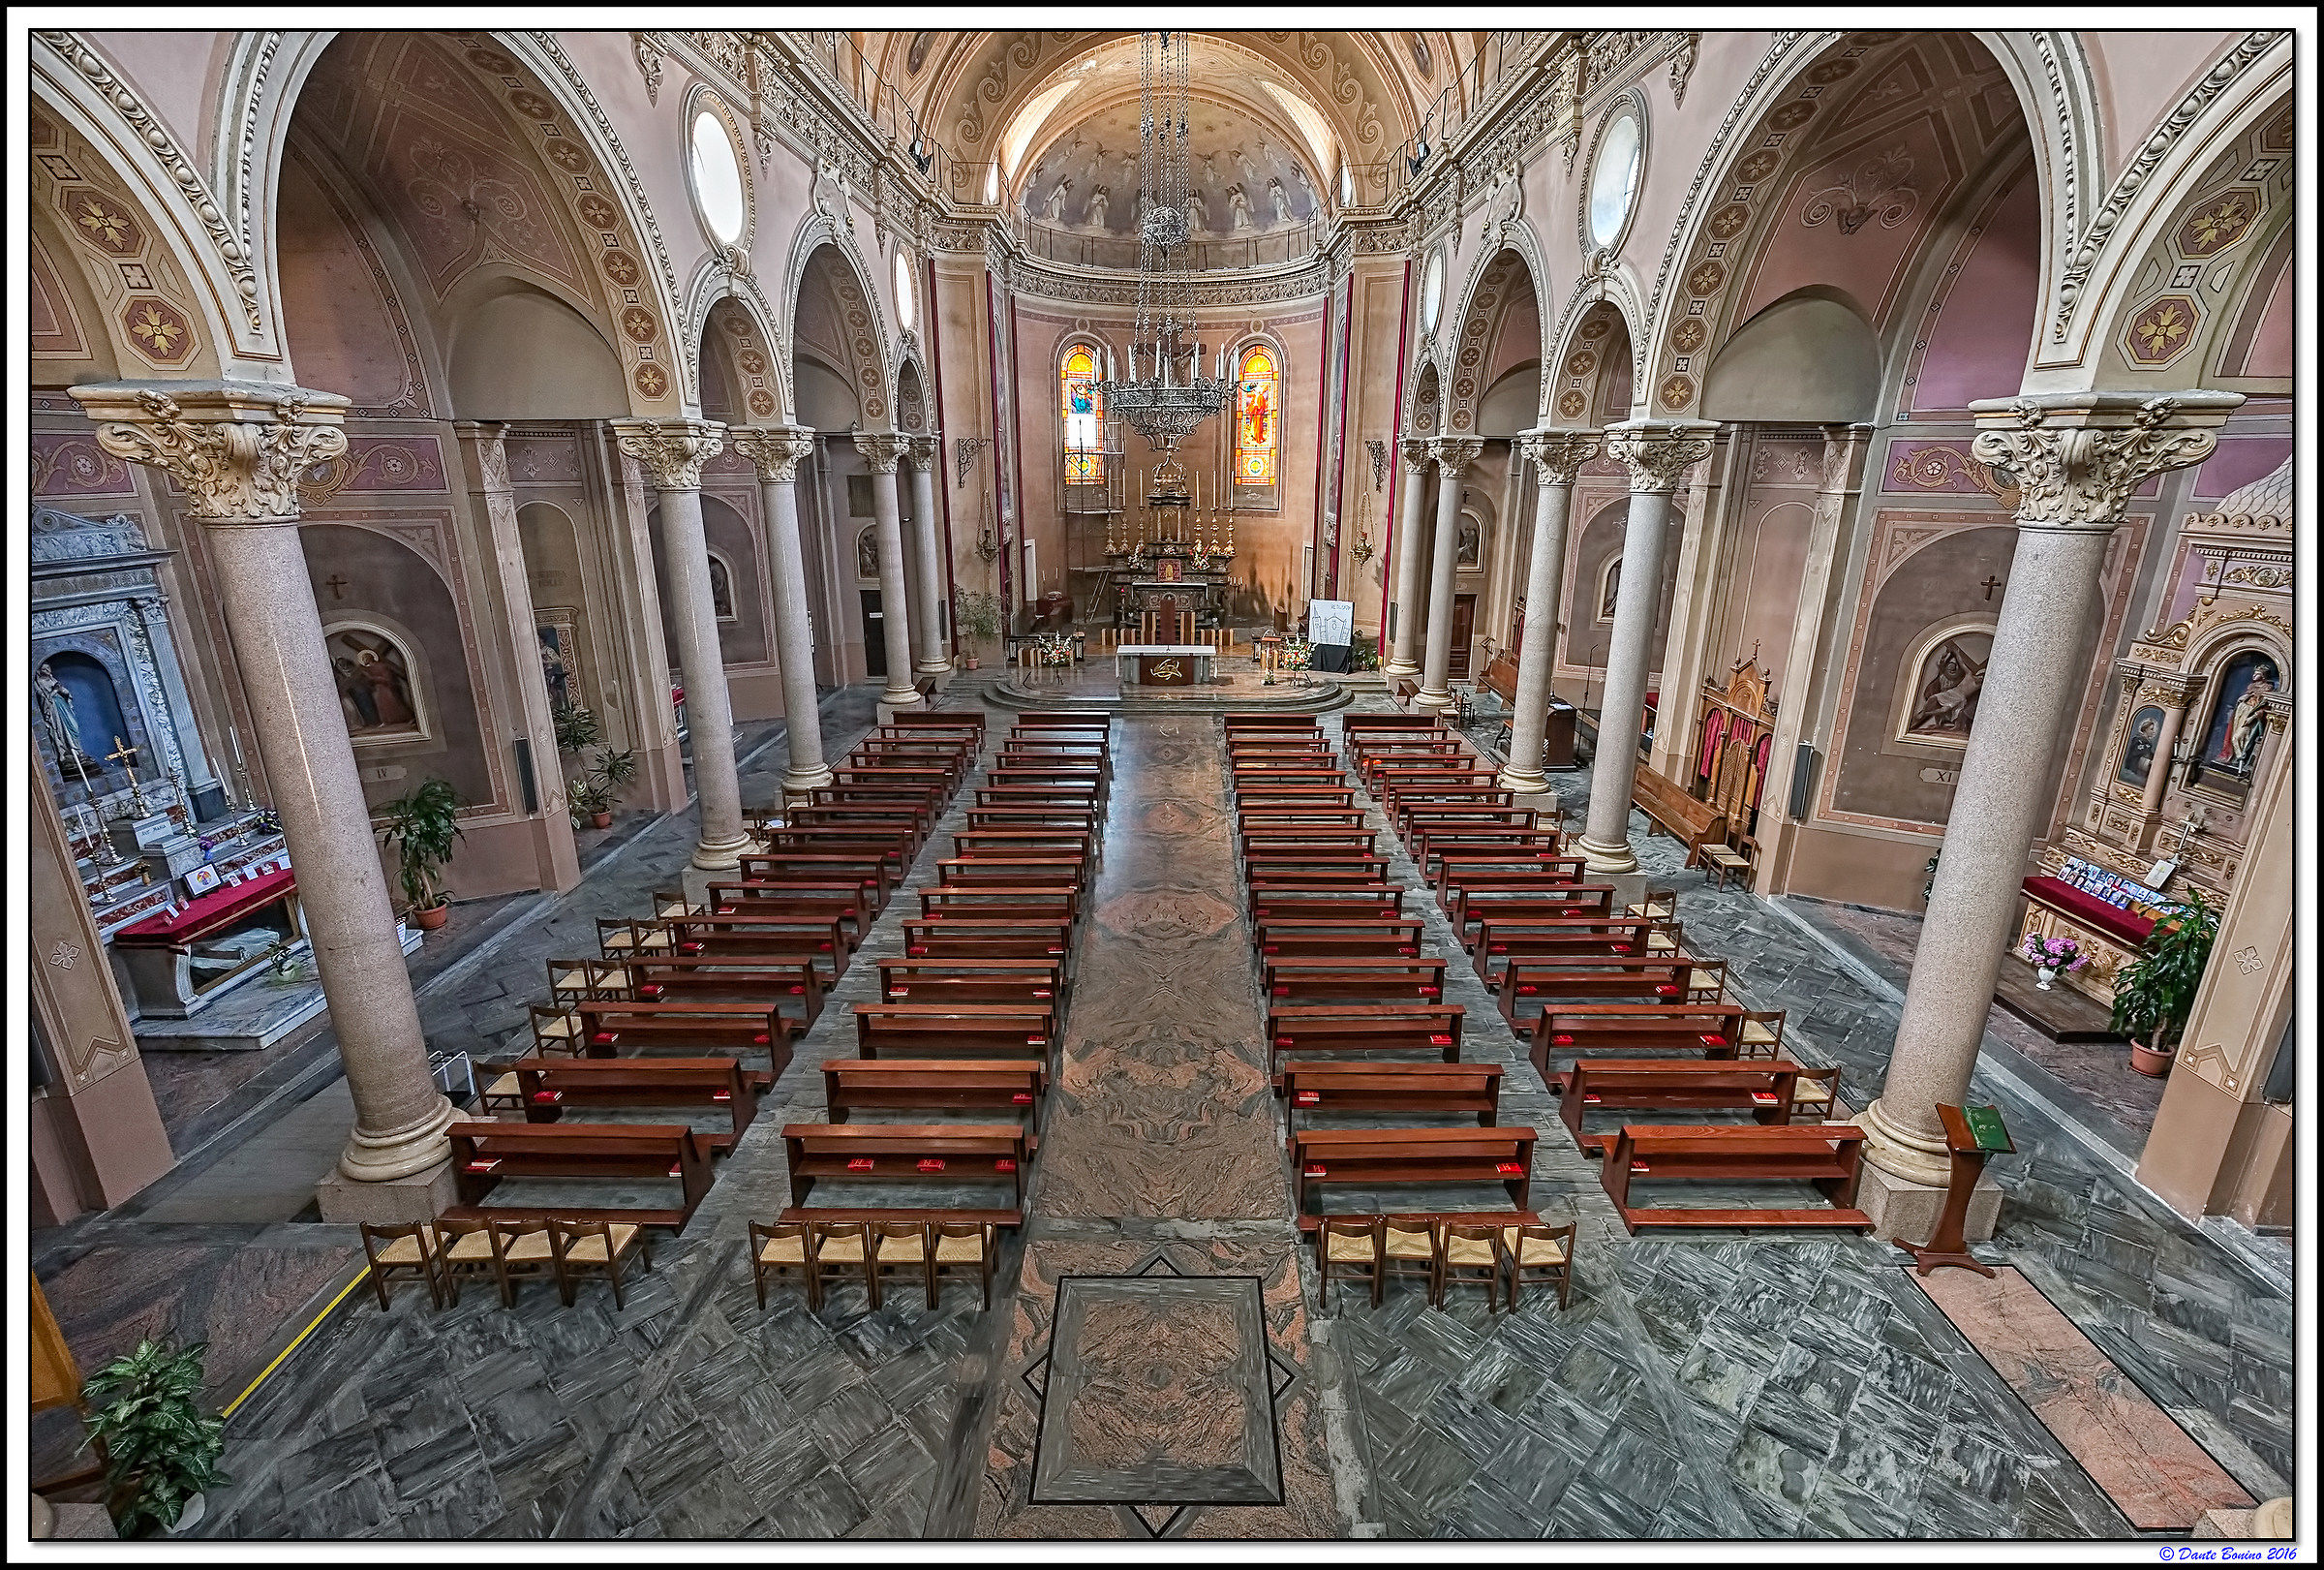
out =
column 296, row 1342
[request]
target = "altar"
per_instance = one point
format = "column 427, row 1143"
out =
column 176, row 961
column 1164, row 665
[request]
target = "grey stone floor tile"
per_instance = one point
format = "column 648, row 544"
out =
column 822, row 1504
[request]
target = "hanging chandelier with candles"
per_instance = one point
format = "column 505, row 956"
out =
column 1166, row 395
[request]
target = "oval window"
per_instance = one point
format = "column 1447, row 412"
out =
column 906, row 309
column 1432, row 290
column 718, row 172
column 1614, row 178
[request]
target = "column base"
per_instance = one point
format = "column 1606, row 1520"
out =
column 1433, row 703
column 419, row 1196
column 1399, row 667
column 905, row 698
column 799, row 782
column 1903, row 1153
column 941, row 669
column 1524, row 782
column 372, row 1160
column 1902, row 1209
column 1600, row 857
column 721, row 855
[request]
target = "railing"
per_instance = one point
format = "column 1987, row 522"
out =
column 1093, row 248
column 889, row 110
column 1505, row 49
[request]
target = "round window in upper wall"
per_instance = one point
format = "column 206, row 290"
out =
column 1432, row 290
column 717, row 177
column 1614, row 176
column 907, row 308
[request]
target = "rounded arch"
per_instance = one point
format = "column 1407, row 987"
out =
column 1487, row 296
column 859, row 326
column 728, row 305
column 1934, row 700
column 1080, row 355
column 1424, row 414
column 1599, row 302
column 909, row 397
column 1809, row 357
column 517, row 351
column 1247, row 487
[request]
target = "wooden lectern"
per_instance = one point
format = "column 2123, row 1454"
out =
column 1971, row 1134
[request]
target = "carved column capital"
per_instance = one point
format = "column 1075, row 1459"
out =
column 924, row 452
column 776, row 452
column 235, row 448
column 672, row 451
column 2171, row 692
column 2077, row 456
column 1659, row 452
column 1416, row 454
column 883, row 450
column 1557, row 456
column 1455, row 454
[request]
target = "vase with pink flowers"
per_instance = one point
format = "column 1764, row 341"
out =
column 2053, row 957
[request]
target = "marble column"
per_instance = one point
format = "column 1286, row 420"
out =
column 236, row 450
column 1404, row 646
column 883, row 450
column 672, row 452
column 2077, row 457
column 777, row 454
column 1453, row 455
column 1658, row 453
column 2174, row 693
column 1556, row 456
column 926, row 454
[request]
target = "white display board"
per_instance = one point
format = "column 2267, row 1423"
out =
column 1330, row 621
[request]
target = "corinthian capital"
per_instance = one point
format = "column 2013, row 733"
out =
column 1416, row 454
column 924, row 452
column 235, row 448
column 1659, row 452
column 2078, row 455
column 1557, row 456
column 672, row 451
column 881, row 450
column 776, row 452
column 1454, row 453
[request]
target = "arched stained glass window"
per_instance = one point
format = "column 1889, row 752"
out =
column 1258, row 420
column 1084, row 412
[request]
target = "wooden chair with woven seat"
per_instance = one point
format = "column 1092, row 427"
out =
column 1545, row 1250
column 902, row 1245
column 396, row 1251
column 555, row 1031
column 779, row 1247
column 1350, row 1246
column 501, row 1092
column 1706, row 981
column 841, row 1248
column 1760, row 1033
column 959, row 1245
column 1814, row 1095
column 583, row 1247
column 1407, row 1241
column 672, row 902
column 1729, row 855
column 617, row 936
column 1659, row 905
column 521, row 1246
column 570, row 983
column 1666, row 937
column 463, row 1249
column 1468, row 1252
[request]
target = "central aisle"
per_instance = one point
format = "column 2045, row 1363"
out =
column 1160, row 1158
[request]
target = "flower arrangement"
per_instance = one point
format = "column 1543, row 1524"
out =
column 2058, row 955
column 1297, row 654
column 1056, row 651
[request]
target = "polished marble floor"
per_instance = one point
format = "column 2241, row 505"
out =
column 1720, row 1385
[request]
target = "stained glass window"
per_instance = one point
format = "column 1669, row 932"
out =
column 1256, row 416
column 1085, row 413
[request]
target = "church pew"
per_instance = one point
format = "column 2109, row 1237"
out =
column 929, row 804
column 906, row 1153
column 1281, row 819
column 903, row 821
column 1241, row 719
column 1401, row 804
column 711, row 931
column 985, row 845
column 969, row 939
column 1280, row 839
column 1084, row 776
column 1013, row 871
column 930, row 1085
column 1060, row 718
column 1247, row 777
column 548, row 1086
column 1460, row 865
column 970, row 720
column 484, row 1153
column 898, row 775
column 923, row 980
column 1314, row 902
column 975, row 1029
column 1000, row 901
column 1432, row 843
column 1269, row 797
column 1034, row 754
column 1500, row 938
column 784, row 978
column 710, row 1027
column 1087, row 820
column 1389, row 1157
column 1271, row 867
column 1613, row 979
column 1763, row 1089
column 1461, row 1089
column 1377, row 724
column 1826, row 1154
column 1323, row 979
column 896, row 845
column 1337, row 1027
column 849, row 903
column 1382, row 937
column 1462, row 889
column 874, row 753
column 1456, row 816
column 1076, row 798
column 874, row 871
column 1661, row 1029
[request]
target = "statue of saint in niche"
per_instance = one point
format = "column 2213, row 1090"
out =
column 61, row 718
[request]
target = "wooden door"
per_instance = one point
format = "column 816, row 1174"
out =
column 875, row 635
column 1464, row 628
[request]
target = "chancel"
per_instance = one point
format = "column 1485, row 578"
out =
column 1164, row 784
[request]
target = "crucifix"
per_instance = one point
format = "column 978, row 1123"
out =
column 337, row 585
column 1989, row 585
column 127, row 757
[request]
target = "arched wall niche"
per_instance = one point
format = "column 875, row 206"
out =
column 835, row 310
column 1592, row 371
column 520, row 353
column 745, row 637
column 1809, row 358
column 564, row 627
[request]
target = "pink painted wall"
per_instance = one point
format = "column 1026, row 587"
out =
column 1985, row 320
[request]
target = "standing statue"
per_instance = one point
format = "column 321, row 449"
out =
column 58, row 713
column 2238, row 750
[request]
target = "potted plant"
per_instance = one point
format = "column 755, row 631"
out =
column 422, row 826
column 976, row 616
column 589, row 802
column 2155, row 991
column 577, row 728
column 610, row 772
column 2053, row 957
column 159, row 1451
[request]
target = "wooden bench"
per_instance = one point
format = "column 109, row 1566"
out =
column 873, row 870
column 782, row 977
column 1826, row 1154
column 1084, row 819
column 895, row 845
column 709, row 931
column 905, row 820
column 972, row 720
column 1067, row 718
column 924, row 981
column 1432, row 842
column 1314, row 902
column 1349, row 977
column 1398, row 804
column 709, row 1027
column 929, row 804
column 1281, row 798
column 959, row 938
column 1500, row 939
column 547, row 1085
column 918, row 1084
column 1763, row 1089
column 1345, row 1028
column 1244, row 719
column 1462, row 1089
column 484, row 1153
column 1594, row 1029
column 1298, row 820
column 1531, row 902
column 1667, row 805
column 906, row 1153
column 1273, row 867
column 1384, row 1157
column 1374, row 723
column 1002, row 902
column 1248, row 777
column 1389, row 937
column 1610, row 976
column 974, row 1029
column 1281, row 840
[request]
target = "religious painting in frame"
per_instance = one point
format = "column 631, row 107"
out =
column 2138, row 747
column 867, row 554
column 379, row 695
column 721, row 588
column 559, row 654
column 1939, row 685
column 2235, row 732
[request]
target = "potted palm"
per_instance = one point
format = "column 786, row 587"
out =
column 421, row 827
column 976, row 616
column 2154, row 993
column 159, row 1451
column 577, row 727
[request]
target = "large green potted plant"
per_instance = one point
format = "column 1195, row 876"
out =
column 160, row 1450
column 421, row 827
column 2154, row 993
column 976, row 617
column 577, row 727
